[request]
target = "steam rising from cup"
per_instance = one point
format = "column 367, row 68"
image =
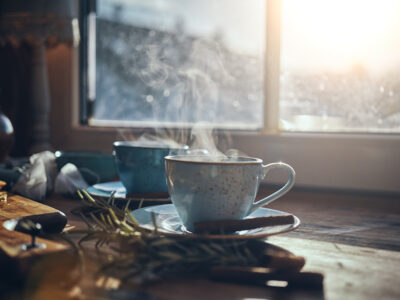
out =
column 188, row 93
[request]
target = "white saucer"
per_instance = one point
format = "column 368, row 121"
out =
column 106, row 188
column 168, row 223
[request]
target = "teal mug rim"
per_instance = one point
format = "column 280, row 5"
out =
column 133, row 144
column 81, row 154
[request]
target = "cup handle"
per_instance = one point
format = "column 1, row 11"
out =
column 288, row 185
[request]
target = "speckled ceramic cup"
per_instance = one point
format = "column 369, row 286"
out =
column 204, row 188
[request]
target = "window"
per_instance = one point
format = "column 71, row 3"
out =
column 318, row 89
column 340, row 66
column 177, row 63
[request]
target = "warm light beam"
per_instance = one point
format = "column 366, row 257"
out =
column 337, row 34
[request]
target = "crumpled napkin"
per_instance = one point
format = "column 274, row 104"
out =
column 37, row 177
column 40, row 176
column 69, row 179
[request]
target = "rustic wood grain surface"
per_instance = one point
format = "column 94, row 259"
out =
column 353, row 239
column 367, row 220
column 16, row 207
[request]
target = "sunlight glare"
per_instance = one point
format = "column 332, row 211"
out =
column 339, row 33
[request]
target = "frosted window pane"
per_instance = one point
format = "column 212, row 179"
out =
column 340, row 65
column 178, row 61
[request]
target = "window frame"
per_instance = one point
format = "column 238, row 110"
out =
column 340, row 161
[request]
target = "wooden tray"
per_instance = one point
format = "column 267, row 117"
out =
column 22, row 264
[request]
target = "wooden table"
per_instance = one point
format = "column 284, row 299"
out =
column 353, row 239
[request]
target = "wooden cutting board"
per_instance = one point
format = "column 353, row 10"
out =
column 21, row 263
column 18, row 206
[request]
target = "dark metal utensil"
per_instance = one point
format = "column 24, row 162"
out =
column 50, row 223
column 33, row 229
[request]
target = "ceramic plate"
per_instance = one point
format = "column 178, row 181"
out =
column 105, row 189
column 168, row 223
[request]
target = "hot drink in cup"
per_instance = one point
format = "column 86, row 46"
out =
column 206, row 188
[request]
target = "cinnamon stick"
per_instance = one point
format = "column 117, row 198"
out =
column 281, row 261
column 271, row 256
column 261, row 276
column 226, row 226
column 2, row 184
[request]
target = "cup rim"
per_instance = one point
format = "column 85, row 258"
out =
column 81, row 154
column 133, row 144
column 186, row 159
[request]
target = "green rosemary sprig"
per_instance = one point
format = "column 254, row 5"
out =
column 137, row 255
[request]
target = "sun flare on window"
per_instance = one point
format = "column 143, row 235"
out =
column 340, row 66
column 340, row 33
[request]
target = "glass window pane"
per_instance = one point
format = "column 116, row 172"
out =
column 340, row 65
column 177, row 62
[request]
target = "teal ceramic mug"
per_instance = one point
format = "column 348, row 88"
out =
column 95, row 167
column 205, row 188
column 141, row 168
